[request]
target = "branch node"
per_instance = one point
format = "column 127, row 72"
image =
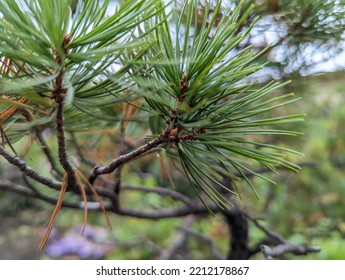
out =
column 94, row 174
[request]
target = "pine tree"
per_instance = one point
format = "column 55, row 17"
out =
column 177, row 80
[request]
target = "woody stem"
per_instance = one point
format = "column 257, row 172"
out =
column 58, row 94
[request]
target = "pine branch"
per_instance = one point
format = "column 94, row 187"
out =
column 282, row 246
column 114, row 164
column 287, row 247
column 179, row 242
column 162, row 191
column 80, row 151
column 196, row 207
column 217, row 255
column 33, row 193
column 28, row 170
column 58, row 95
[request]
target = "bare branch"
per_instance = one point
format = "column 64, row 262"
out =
column 171, row 212
column 271, row 234
column 80, row 152
column 33, row 193
column 283, row 246
column 179, row 242
column 49, row 182
column 47, row 151
column 29, row 171
column 43, row 144
column 281, row 249
column 205, row 238
column 160, row 191
column 98, row 170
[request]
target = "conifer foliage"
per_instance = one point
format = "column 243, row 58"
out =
column 182, row 73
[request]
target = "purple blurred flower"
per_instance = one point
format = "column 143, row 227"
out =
column 95, row 243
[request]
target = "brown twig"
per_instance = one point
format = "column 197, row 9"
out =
column 282, row 246
column 29, row 171
column 114, row 164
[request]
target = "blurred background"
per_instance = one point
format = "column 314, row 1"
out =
column 305, row 41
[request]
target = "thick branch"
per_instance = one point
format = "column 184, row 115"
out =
column 238, row 227
column 62, row 150
column 58, row 95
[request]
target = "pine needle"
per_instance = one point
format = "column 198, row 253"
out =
column 55, row 212
column 83, row 193
column 97, row 197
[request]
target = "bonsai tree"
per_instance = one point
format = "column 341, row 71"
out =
column 178, row 81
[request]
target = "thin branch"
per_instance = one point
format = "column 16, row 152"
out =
column 271, row 234
column 98, row 170
column 5, row 139
column 191, row 208
column 80, row 152
column 62, row 150
column 29, row 184
column 163, row 213
column 29, row 171
column 281, row 249
column 47, row 151
column 28, row 192
column 49, row 182
column 171, row 212
column 179, row 242
column 160, row 191
column 283, row 246
column 205, row 238
column 43, row 143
